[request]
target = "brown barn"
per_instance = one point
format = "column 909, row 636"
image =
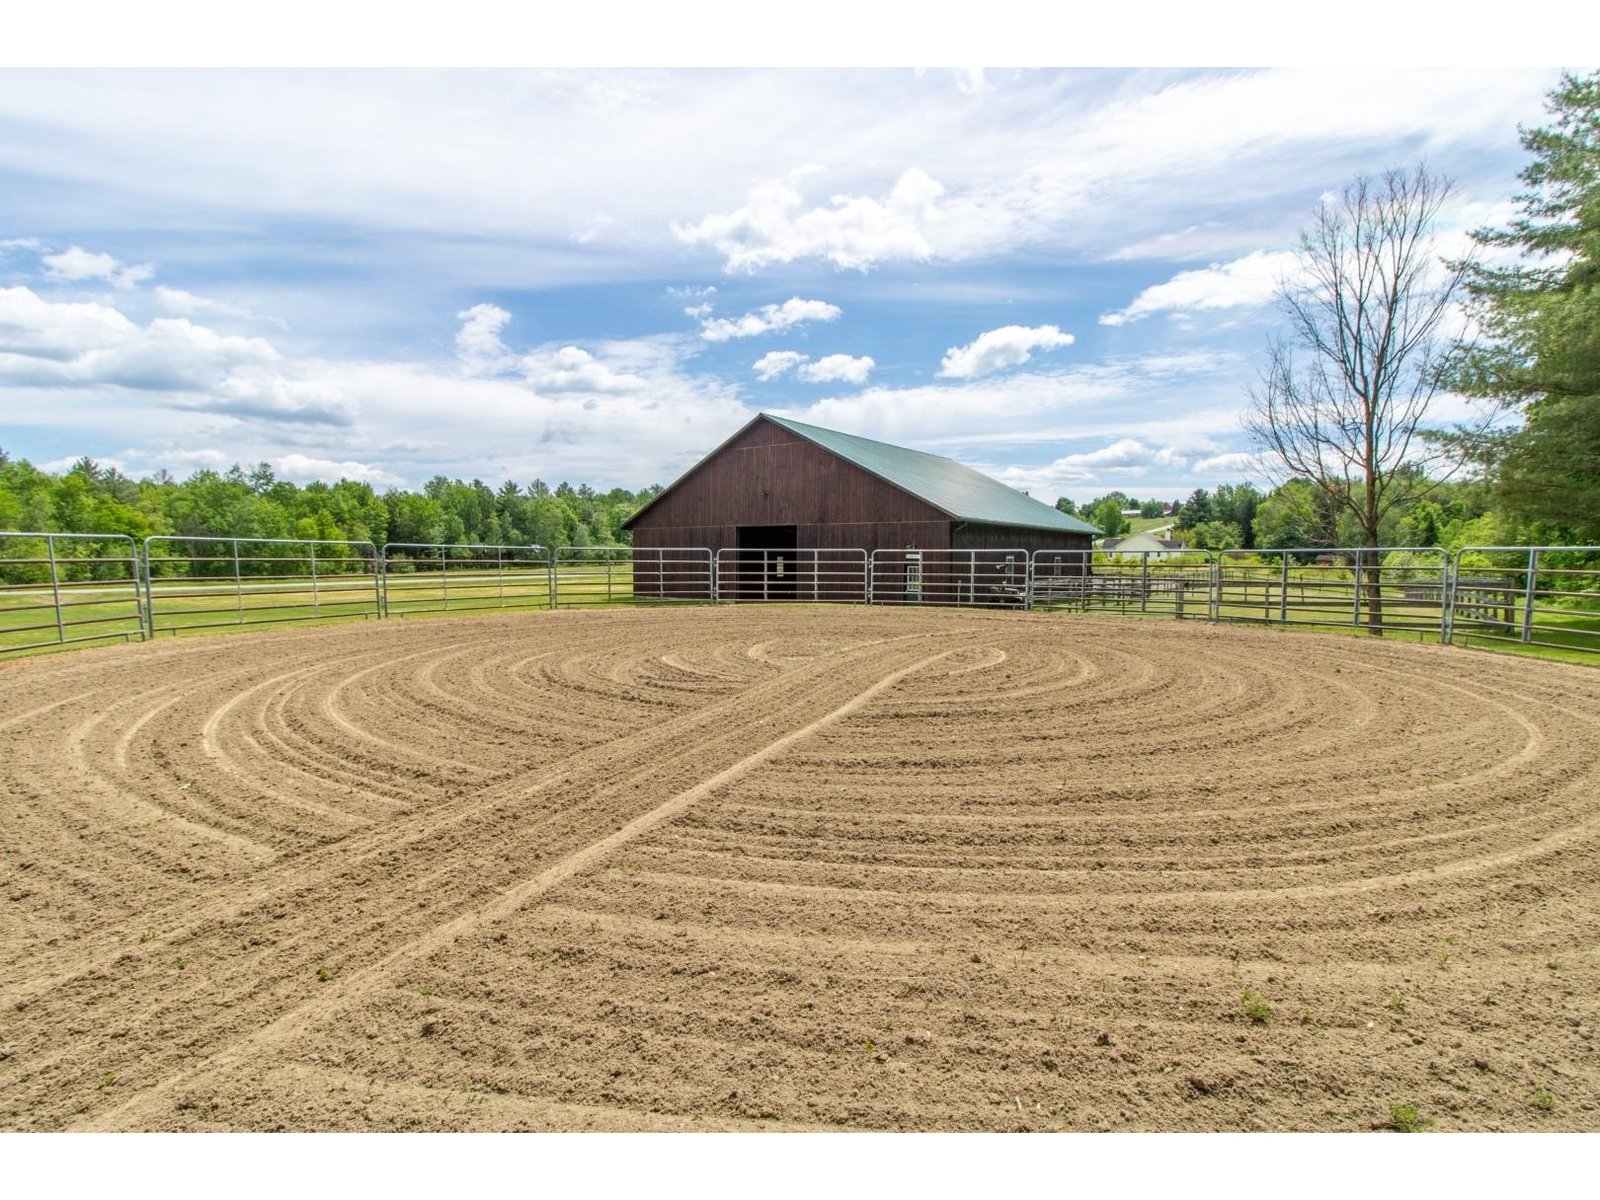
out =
column 791, row 506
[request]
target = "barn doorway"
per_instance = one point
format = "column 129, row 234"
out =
column 767, row 562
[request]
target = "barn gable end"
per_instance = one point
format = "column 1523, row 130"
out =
column 768, row 475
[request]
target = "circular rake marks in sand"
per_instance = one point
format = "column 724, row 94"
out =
column 1048, row 828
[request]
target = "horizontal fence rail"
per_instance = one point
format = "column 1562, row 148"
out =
column 1526, row 595
column 1378, row 588
column 435, row 577
column 1166, row 583
column 966, row 578
column 60, row 588
column 601, row 576
column 821, row 576
column 208, row 582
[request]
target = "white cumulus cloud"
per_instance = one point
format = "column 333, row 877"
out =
column 836, row 368
column 1007, row 346
column 830, row 368
column 75, row 265
column 570, row 369
column 1246, row 282
column 774, row 226
column 84, row 344
column 769, row 318
column 769, row 366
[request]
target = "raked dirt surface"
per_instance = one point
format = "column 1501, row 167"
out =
column 797, row 868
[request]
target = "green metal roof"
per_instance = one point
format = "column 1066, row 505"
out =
column 965, row 494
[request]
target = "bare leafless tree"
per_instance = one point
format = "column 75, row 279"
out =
column 1344, row 398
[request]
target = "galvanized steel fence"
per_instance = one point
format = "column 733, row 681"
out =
column 1165, row 583
column 1380, row 588
column 816, row 576
column 208, row 582
column 1526, row 595
column 59, row 588
column 958, row 578
column 434, row 577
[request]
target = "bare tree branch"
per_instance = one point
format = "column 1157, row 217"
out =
column 1343, row 400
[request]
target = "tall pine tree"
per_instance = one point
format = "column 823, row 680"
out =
column 1541, row 320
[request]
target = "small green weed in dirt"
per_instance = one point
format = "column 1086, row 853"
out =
column 322, row 974
column 871, row 1047
column 424, row 990
column 1025, row 944
column 1397, row 1002
column 1404, row 1118
column 1543, row 1100
column 1255, row 1007
column 182, row 962
column 108, row 1079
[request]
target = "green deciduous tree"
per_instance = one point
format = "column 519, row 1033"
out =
column 1107, row 514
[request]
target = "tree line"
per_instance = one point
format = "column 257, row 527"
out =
column 89, row 498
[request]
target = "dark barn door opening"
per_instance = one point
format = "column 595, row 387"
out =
column 767, row 562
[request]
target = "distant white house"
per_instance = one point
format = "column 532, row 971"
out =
column 1142, row 546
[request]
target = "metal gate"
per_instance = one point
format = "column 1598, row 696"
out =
column 975, row 578
column 206, row 582
column 1526, row 595
column 598, row 576
column 1379, row 588
column 59, row 588
column 818, row 576
column 433, row 577
column 1166, row 583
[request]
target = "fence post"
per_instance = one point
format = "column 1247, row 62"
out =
column 1446, row 596
column 316, row 601
column 55, row 587
column 1355, row 605
column 138, row 590
column 149, row 596
column 1529, row 592
column 238, row 582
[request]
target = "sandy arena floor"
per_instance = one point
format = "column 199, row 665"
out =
column 787, row 868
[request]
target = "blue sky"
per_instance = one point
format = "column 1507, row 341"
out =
column 1063, row 278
